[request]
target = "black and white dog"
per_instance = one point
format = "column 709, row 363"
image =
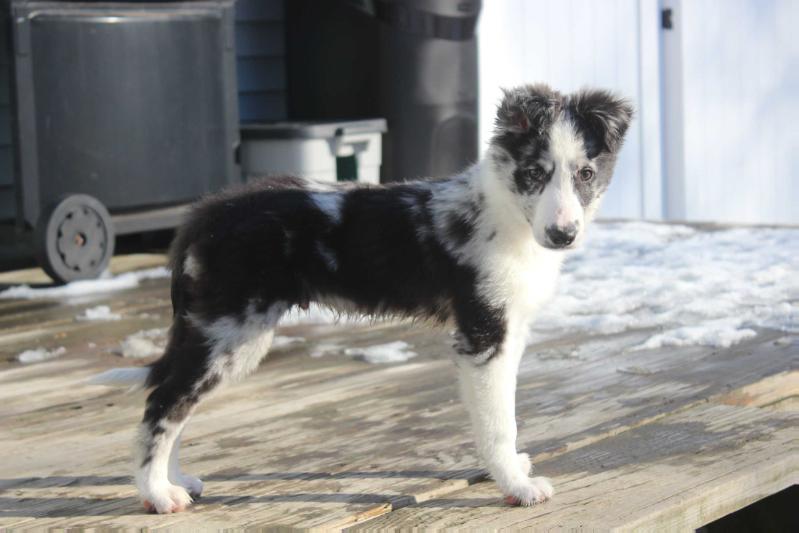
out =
column 480, row 250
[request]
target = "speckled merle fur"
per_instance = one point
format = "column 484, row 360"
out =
column 479, row 251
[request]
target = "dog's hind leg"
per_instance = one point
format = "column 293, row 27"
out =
column 203, row 355
column 193, row 485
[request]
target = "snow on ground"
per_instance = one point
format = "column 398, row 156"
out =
column 326, row 348
column 40, row 354
column 145, row 343
column 106, row 283
column 709, row 288
column 392, row 352
column 99, row 313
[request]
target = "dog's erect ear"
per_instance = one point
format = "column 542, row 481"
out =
column 526, row 108
column 603, row 115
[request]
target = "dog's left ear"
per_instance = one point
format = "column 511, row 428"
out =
column 604, row 115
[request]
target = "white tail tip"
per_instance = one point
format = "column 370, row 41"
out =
column 122, row 377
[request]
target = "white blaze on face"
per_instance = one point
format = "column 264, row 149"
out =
column 559, row 205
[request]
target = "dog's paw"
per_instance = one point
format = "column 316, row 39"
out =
column 193, row 485
column 169, row 499
column 525, row 464
column 535, row 490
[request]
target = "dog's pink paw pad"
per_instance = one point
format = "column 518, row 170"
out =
column 175, row 506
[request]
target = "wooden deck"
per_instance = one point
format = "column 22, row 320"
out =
column 658, row 439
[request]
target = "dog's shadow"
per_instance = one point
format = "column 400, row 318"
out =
column 74, row 506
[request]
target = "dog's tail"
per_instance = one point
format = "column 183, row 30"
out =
column 133, row 377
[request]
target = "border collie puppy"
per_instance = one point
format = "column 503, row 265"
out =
column 479, row 251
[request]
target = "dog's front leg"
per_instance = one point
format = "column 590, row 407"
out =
column 489, row 392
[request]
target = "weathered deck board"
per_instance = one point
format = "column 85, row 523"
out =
column 330, row 442
column 677, row 474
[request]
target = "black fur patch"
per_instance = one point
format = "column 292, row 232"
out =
column 459, row 228
column 526, row 183
column 482, row 325
column 602, row 118
column 523, row 121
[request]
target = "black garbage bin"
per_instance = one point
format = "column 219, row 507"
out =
column 121, row 114
column 413, row 62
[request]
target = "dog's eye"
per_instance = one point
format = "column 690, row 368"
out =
column 586, row 174
column 535, row 173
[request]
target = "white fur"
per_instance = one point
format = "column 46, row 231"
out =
column 192, row 484
column 191, row 267
column 559, row 204
column 328, row 256
column 152, row 480
column 249, row 339
column 330, row 204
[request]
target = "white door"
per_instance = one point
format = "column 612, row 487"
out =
column 568, row 45
column 731, row 95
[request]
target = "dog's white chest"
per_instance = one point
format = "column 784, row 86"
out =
column 527, row 281
column 537, row 283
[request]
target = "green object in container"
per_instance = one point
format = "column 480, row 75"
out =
column 347, row 168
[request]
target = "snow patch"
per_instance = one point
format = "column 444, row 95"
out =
column 392, row 352
column 145, row 343
column 321, row 350
column 716, row 334
column 40, row 354
column 685, row 282
column 100, row 313
column 106, row 283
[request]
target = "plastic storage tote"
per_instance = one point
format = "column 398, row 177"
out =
column 323, row 151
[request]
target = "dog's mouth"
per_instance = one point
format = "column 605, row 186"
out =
column 560, row 247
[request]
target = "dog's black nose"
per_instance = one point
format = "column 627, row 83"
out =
column 561, row 237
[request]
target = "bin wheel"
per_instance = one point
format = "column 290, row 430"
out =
column 74, row 238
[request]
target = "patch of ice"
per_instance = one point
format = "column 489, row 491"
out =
column 700, row 288
column 40, row 354
column 106, row 283
column 101, row 312
column 145, row 343
column 392, row 352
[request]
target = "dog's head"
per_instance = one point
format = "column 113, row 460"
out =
column 556, row 154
